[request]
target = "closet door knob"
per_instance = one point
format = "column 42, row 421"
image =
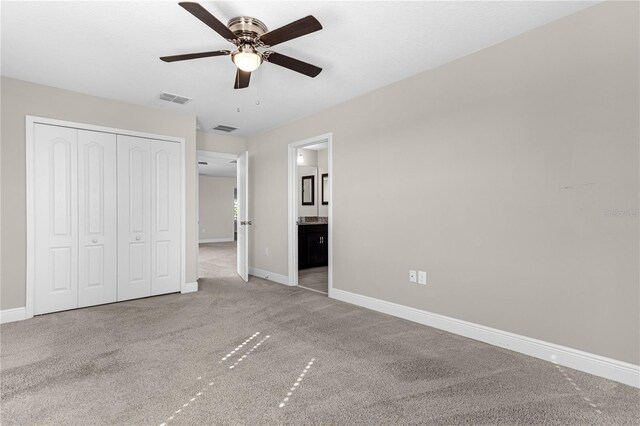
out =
column 138, row 238
column 94, row 241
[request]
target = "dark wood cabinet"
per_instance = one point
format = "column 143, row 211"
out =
column 313, row 246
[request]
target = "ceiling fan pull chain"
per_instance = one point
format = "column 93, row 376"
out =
column 257, row 86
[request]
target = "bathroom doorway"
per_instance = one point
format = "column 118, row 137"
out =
column 310, row 214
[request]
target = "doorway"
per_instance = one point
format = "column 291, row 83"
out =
column 310, row 214
column 222, row 235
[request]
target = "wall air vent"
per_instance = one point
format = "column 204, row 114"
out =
column 224, row 128
column 176, row 99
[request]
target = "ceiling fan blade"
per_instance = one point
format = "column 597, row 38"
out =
column 296, row 29
column 293, row 64
column 187, row 56
column 203, row 14
column 242, row 79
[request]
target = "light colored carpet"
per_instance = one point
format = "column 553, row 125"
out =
column 314, row 278
column 166, row 360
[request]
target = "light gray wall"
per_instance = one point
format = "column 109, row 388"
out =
column 323, row 167
column 307, row 210
column 323, row 160
column 496, row 174
column 20, row 98
column 308, row 167
column 216, row 142
column 310, row 157
column 216, row 207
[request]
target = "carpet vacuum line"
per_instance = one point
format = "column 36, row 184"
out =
column 296, row 383
column 225, row 358
column 576, row 387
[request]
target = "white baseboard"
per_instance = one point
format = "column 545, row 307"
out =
column 271, row 276
column 11, row 315
column 189, row 287
column 216, row 240
column 608, row 368
column 19, row 314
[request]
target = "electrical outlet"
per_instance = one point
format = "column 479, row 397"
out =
column 422, row 277
column 412, row 276
column 266, row 251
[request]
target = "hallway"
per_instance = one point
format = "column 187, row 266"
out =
column 217, row 260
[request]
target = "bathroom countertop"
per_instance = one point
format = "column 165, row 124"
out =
column 321, row 220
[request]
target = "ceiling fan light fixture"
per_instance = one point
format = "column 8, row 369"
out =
column 246, row 58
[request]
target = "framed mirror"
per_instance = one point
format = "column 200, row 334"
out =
column 325, row 189
column 308, row 190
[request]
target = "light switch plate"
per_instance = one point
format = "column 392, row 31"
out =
column 422, row 277
column 412, row 276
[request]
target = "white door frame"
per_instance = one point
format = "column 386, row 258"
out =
column 30, row 121
column 208, row 154
column 293, row 205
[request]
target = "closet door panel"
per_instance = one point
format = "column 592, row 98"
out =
column 165, row 217
column 97, row 218
column 134, row 217
column 56, row 222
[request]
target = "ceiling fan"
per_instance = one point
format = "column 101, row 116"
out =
column 248, row 34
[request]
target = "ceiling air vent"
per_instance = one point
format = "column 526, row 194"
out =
column 224, row 128
column 176, row 99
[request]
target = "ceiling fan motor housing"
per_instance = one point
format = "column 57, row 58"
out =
column 247, row 28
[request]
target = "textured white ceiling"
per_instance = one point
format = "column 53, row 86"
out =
column 111, row 49
column 216, row 166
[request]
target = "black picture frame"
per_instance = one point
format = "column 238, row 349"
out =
column 310, row 198
column 324, row 181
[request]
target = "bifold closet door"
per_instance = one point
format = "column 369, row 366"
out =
column 149, row 217
column 97, row 218
column 56, row 219
column 75, row 218
column 134, row 217
column 165, row 217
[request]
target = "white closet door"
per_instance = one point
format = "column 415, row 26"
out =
column 56, row 222
column 165, row 217
column 134, row 217
column 97, row 218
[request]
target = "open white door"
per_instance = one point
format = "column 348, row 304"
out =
column 243, row 216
